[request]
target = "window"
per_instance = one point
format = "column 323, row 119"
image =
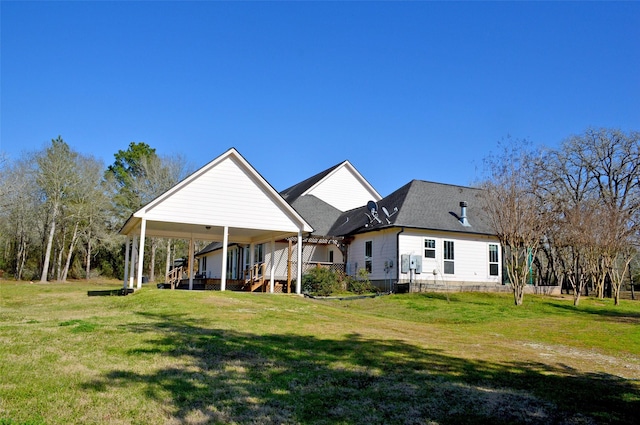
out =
column 331, row 256
column 448, row 258
column 259, row 253
column 429, row 248
column 368, row 251
column 230, row 264
column 493, row 260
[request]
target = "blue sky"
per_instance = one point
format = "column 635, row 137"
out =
column 404, row 90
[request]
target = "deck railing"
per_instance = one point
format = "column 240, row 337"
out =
column 174, row 276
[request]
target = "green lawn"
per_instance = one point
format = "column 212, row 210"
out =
column 179, row 357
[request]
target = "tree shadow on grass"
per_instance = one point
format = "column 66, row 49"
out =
column 613, row 314
column 222, row 376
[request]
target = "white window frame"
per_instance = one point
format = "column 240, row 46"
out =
column 368, row 259
column 495, row 262
column 258, row 254
column 429, row 249
column 448, row 255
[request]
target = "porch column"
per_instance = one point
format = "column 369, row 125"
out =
column 289, row 255
column 134, row 258
column 190, row 264
column 225, row 242
column 168, row 264
column 143, row 230
column 126, row 262
column 299, row 271
column 272, row 267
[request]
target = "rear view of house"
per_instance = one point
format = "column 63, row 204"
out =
column 422, row 236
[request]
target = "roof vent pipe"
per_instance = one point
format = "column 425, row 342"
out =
column 463, row 214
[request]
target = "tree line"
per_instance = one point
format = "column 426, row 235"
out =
column 568, row 216
column 61, row 210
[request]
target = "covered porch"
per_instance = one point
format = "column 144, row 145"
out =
column 225, row 201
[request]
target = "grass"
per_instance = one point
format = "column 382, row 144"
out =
column 180, row 357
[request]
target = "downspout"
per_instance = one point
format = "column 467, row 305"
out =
column 398, row 254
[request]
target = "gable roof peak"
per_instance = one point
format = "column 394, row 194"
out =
column 307, row 186
column 293, row 192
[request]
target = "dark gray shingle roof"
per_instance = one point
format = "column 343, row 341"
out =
column 213, row 246
column 423, row 205
column 420, row 204
column 319, row 214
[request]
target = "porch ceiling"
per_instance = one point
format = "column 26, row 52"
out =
column 204, row 232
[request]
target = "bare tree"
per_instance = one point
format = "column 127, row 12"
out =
column 82, row 210
column 55, row 175
column 613, row 158
column 18, row 201
column 514, row 212
column 591, row 188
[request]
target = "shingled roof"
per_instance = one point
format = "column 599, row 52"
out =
column 421, row 205
column 319, row 214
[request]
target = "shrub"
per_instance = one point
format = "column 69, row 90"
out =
column 320, row 281
column 360, row 284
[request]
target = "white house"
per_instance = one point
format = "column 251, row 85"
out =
column 320, row 199
column 424, row 235
column 226, row 201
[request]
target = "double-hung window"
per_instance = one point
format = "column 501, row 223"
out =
column 429, row 248
column 448, row 258
column 494, row 265
column 368, row 256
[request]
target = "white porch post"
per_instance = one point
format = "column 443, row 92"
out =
column 143, row 230
column 134, row 258
column 191, row 259
column 252, row 261
column 225, row 242
column 126, row 262
column 168, row 264
column 299, row 271
column 272, row 266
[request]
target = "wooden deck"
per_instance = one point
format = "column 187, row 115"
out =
column 232, row 285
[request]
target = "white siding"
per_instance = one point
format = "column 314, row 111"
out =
column 344, row 189
column 471, row 257
column 225, row 195
column 383, row 250
column 311, row 253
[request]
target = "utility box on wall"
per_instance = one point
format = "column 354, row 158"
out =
column 415, row 263
column 404, row 263
column 410, row 262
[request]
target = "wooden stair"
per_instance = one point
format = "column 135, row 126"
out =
column 175, row 276
column 254, row 278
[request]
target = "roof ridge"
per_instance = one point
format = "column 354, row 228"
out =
column 444, row 184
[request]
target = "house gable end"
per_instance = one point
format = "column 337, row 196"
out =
column 344, row 188
column 225, row 192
